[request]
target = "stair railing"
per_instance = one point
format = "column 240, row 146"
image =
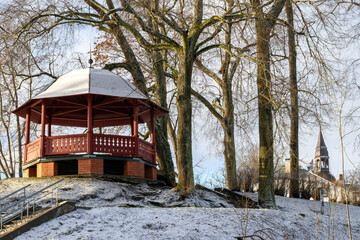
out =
column 27, row 206
column 9, row 198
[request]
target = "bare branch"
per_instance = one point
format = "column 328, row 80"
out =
column 207, row 71
column 112, row 66
column 208, row 105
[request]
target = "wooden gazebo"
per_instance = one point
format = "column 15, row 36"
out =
column 90, row 98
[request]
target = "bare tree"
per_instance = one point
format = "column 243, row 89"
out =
column 132, row 65
column 187, row 49
column 265, row 22
column 225, row 114
column 186, row 46
column 294, row 112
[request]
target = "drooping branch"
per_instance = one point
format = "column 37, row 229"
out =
column 207, row 48
column 26, row 76
column 207, row 71
column 208, row 105
column 211, row 37
column 144, row 27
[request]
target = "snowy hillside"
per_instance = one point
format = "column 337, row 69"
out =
column 111, row 210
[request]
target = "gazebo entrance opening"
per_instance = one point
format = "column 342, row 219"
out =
column 90, row 98
column 113, row 167
column 69, row 167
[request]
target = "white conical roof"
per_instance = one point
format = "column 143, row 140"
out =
column 91, row 81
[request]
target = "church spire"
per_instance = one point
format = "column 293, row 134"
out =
column 321, row 149
column 321, row 155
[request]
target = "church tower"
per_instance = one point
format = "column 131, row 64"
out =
column 321, row 155
column 322, row 159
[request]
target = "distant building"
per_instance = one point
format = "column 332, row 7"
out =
column 322, row 160
column 316, row 176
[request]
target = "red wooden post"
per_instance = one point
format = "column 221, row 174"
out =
column 42, row 134
column 135, row 119
column 49, row 126
column 153, row 133
column 135, row 128
column 89, row 125
column 132, row 127
column 27, row 133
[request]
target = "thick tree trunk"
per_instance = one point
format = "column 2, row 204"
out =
column 266, row 151
column 134, row 69
column 186, row 57
column 161, row 137
column 264, row 24
column 229, row 152
column 294, row 114
column 164, row 158
column 184, row 108
column 228, row 125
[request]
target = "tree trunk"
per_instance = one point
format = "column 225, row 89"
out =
column 186, row 57
column 294, row 114
column 266, row 152
column 229, row 144
column 184, row 108
column 264, row 23
column 164, row 157
column 163, row 151
column 161, row 137
column 20, row 151
column 228, row 125
column 135, row 69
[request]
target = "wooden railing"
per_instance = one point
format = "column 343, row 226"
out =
column 113, row 144
column 60, row 145
column 101, row 143
column 146, row 150
column 32, row 150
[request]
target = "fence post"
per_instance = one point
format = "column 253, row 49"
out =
column 57, row 196
column 322, row 201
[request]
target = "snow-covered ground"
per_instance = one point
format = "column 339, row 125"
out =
column 111, row 215
column 89, row 192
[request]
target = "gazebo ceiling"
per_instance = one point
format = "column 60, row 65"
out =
column 112, row 99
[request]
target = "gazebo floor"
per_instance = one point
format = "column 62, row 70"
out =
column 85, row 164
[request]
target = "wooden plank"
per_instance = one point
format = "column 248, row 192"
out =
column 63, row 112
column 42, row 135
column 89, row 125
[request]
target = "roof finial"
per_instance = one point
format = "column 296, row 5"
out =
column 90, row 59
